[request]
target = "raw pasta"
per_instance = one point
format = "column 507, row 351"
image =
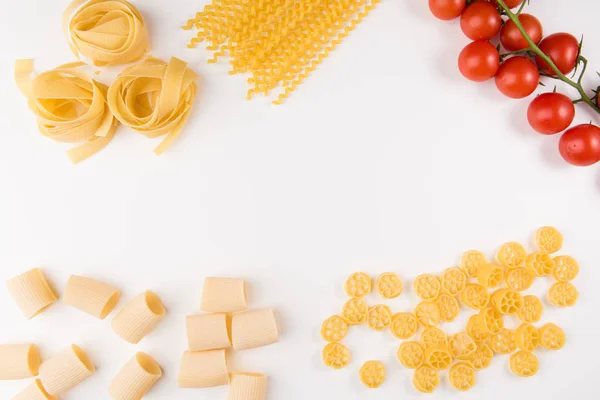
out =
column 207, row 332
column 31, row 292
column 69, row 106
column 137, row 318
column 66, row 370
column 224, row 295
column 135, row 378
column 108, row 32
column 253, row 329
column 201, row 369
column 35, row 391
column 154, row 98
column 91, row 296
column 19, row 361
column 247, row 386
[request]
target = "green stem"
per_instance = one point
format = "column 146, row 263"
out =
column 559, row 75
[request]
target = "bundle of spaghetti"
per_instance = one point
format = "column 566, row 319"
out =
column 279, row 42
column 69, row 106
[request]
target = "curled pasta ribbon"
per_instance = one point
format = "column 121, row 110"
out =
column 108, row 32
column 154, row 98
column 69, row 106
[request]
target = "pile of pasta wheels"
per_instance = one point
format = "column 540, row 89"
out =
column 153, row 97
column 493, row 289
column 279, row 42
column 227, row 325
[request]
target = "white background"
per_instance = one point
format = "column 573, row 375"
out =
column 384, row 159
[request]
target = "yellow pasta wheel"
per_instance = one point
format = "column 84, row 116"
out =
column 518, row 279
column 372, row 374
column 453, row 281
column 448, row 306
column 462, row 376
column 524, row 363
column 532, row 309
column 482, row 358
column 389, row 286
column 490, row 275
column 427, row 313
column 379, row 317
column 355, row 311
column 108, row 32
column 527, row 337
column 154, row 98
column 490, row 320
column 552, row 337
column 475, row 296
column 334, row 329
column 427, row 286
column 438, row 357
column 411, row 354
column 503, row 342
column 336, row 355
column 462, row 346
column 69, row 106
column 471, row 261
column 563, row 294
column 540, row 264
column 475, row 330
column 433, row 337
column 511, row 255
column 358, row 284
column 565, row 268
column 425, row 379
column 548, row 239
column 404, row 325
column 507, row 301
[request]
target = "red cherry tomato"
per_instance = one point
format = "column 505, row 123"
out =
column 563, row 50
column 447, row 10
column 511, row 3
column 479, row 61
column 550, row 113
column 580, row 145
column 512, row 39
column 480, row 21
column 517, row 77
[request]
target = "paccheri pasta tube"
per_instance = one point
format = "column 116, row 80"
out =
column 31, row 292
column 137, row 318
column 224, row 295
column 108, row 32
column 154, row 98
column 135, row 378
column 247, row 386
column 91, row 296
column 201, row 369
column 19, row 361
column 69, row 107
column 66, row 370
column 35, row 391
column 207, row 332
column 253, row 329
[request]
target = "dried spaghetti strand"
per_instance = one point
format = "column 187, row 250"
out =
column 154, row 98
column 69, row 107
column 108, row 32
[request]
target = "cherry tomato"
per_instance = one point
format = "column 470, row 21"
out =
column 550, row 113
column 563, row 50
column 479, row 61
column 447, row 10
column 517, row 77
column 512, row 39
column 511, row 3
column 480, row 21
column 580, row 145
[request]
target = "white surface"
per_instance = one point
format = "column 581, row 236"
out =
column 385, row 159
